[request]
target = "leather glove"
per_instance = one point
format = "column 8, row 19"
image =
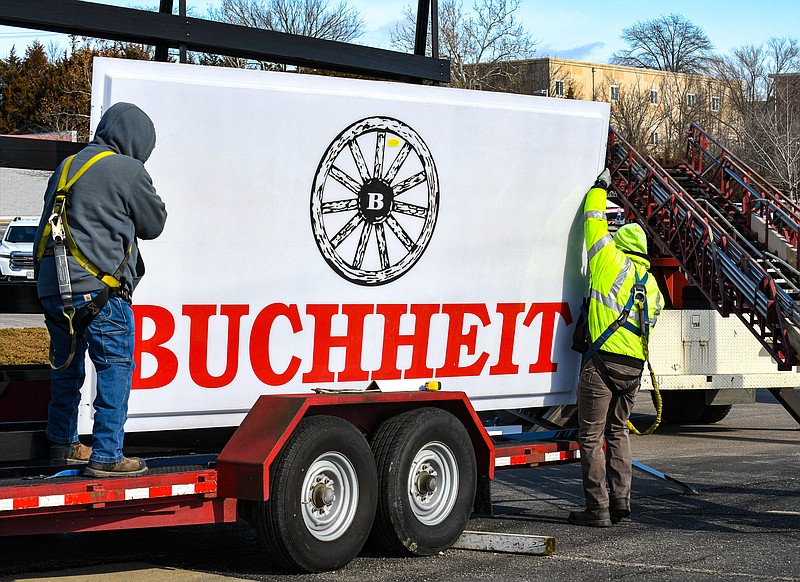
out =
column 603, row 180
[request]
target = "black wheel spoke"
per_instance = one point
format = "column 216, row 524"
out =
column 380, row 145
column 347, row 230
column 398, row 162
column 383, row 248
column 410, row 209
column 358, row 158
column 361, row 250
column 401, row 234
column 339, row 206
column 345, row 180
column 409, row 183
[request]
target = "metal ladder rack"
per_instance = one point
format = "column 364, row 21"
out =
column 731, row 254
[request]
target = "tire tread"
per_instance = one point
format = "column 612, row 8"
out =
column 387, row 444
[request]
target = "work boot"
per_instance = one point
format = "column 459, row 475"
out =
column 76, row 452
column 127, row 467
column 592, row 517
column 620, row 509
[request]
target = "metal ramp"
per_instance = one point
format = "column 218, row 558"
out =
column 733, row 234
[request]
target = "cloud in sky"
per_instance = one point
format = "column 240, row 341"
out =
column 380, row 37
column 585, row 52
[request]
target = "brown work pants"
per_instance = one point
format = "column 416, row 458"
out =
column 601, row 413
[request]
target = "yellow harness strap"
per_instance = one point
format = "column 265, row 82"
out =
column 656, row 391
column 59, row 212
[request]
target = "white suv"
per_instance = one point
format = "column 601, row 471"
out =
column 16, row 249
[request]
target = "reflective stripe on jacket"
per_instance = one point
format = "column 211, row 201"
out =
column 611, row 279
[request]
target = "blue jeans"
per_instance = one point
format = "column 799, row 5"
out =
column 109, row 340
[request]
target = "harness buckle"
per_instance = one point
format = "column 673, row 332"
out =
column 56, row 228
column 639, row 294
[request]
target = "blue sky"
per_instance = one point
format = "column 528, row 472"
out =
column 576, row 29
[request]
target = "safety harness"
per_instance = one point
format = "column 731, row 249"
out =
column 57, row 229
column 637, row 299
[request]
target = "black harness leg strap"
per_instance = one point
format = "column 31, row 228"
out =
column 77, row 325
column 608, row 378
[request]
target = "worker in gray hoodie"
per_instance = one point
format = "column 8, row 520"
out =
column 97, row 205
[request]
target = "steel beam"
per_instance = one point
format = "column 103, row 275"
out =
column 160, row 29
column 507, row 543
column 162, row 48
column 19, row 297
column 35, row 154
column 421, row 34
column 790, row 399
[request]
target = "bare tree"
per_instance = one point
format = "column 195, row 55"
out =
column 483, row 44
column 765, row 126
column 313, row 18
column 772, row 138
column 668, row 43
column 634, row 117
column 685, row 99
column 749, row 70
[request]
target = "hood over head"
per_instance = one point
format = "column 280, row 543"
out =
column 127, row 130
column 631, row 238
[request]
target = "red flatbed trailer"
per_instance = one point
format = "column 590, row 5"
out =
column 210, row 488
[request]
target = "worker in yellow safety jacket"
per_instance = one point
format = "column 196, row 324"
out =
column 612, row 369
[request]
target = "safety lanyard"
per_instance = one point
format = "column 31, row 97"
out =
column 57, row 228
column 638, row 298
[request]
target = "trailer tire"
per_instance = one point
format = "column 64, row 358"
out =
column 323, row 492
column 681, row 407
column 426, row 482
column 714, row 413
column 689, row 407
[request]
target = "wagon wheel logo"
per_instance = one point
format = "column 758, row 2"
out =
column 374, row 201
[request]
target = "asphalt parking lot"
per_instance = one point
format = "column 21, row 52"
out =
column 744, row 524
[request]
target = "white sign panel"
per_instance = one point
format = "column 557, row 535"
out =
column 328, row 232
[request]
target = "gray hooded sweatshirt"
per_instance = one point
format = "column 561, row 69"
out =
column 111, row 206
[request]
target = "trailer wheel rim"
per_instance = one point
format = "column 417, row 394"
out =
column 373, row 219
column 433, row 483
column 329, row 496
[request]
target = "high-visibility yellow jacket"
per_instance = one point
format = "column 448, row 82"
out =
column 612, row 274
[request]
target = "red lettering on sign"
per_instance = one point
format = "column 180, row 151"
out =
column 456, row 339
column 510, row 312
column 548, row 311
column 463, row 354
column 199, row 316
column 166, row 360
column 352, row 342
column 393, row 339
column 260, row 341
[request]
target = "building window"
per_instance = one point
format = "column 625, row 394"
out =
column 653, row 96
column 714, row 103
column 654, row 138
column 614, row 92
column 559, row 89
column 691, row 100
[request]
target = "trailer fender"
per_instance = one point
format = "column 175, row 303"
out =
column 243, row 465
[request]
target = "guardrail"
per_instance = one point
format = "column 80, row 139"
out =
column 733, row 275
column 736, row 181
